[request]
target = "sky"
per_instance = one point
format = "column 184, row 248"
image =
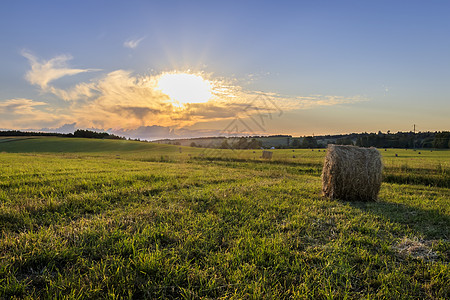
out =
column 155, row 69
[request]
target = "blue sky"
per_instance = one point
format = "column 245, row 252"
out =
column 323, row 67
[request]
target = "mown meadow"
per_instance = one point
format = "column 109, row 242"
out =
column 92, row 219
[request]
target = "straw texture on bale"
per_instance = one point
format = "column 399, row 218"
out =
column 352, row 173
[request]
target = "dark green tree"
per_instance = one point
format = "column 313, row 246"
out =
column 441, row 140
column 309, row 142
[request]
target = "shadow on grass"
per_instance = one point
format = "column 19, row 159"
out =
column 259, row 161
column 431, row 223
column 80, row 206
column 427, row 180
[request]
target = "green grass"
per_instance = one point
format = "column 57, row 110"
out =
column 57, row 144
column 94, row 219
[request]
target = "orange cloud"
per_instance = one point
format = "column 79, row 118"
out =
column 26, row 113
column 121, row 99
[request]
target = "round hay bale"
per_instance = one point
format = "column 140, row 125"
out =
column 352, row 173
column 267, row 154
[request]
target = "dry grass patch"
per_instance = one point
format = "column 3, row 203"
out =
column 416, row 248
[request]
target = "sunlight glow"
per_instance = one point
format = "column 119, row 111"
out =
column 185, row 87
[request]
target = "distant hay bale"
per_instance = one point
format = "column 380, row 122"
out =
column 267, row 154
column 352, row 173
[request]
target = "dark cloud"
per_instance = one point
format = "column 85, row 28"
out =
column 135, row 112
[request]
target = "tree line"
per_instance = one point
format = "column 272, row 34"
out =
column 80, row 133
column 439, row 140
column 233, row 143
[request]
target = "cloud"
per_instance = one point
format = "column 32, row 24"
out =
column 122, row 100
column 44, row 72
column 19, row 106
column 79, row 91
column 146, row 132
column 326, row 100
column 214, row 111
column 133, row 43
column 280, row 103
column 23, row 113
column 66, row 128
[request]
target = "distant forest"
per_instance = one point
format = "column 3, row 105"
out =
column 438, row 140
column 78, row 134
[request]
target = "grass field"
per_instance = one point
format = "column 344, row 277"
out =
column 90, row 219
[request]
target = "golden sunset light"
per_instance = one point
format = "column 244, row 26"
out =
column 185, row 88
column 225, row 149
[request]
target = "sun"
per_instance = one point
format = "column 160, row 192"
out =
column 185, row 88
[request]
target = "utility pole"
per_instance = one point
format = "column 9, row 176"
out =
column 414, row 138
